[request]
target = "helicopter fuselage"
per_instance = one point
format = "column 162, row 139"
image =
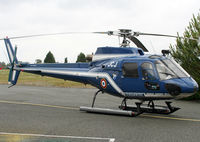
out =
column 146, row 77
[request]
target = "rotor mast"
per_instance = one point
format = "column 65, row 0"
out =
column 124, row 33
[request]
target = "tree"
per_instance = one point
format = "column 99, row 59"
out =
column 81, row 58
column 186, row 51
column 38, row 61
column 66, row 60
column 2, row 65
column 49, row 58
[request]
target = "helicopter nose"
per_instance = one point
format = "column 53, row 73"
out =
column 188, row 87
column 182, row 87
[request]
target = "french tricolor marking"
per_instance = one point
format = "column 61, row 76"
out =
column 103, row 83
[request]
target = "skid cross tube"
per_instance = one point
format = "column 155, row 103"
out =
column 123, row 104
column 94, row 98
column 151, row 104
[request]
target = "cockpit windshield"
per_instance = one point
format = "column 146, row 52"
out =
column 168, row 69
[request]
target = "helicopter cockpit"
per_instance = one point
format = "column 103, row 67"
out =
column 169, row 69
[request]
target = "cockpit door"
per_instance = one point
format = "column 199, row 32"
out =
column 149, row 79
column 130, row 78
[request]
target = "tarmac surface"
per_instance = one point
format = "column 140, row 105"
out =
column 52, row 114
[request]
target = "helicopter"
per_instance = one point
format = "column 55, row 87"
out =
column 125, row 72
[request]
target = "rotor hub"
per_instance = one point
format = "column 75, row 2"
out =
column 125, row 33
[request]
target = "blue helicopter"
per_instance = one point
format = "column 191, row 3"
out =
column 124, row 72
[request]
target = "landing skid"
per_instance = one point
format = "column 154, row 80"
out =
column 131, row 110
column 158, row 109
column 107, row 111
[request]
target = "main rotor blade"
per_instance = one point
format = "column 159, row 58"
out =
column 100, row 32
column 51, row 34
column 116, row 33
column 138, row 43
column 151, row 34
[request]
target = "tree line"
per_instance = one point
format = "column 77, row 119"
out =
column 51, row 59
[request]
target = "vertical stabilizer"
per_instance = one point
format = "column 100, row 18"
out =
column 10, row 51
column 13, row 74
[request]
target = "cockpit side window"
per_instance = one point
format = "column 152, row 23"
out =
column 147, row 71
column 169, row 69
column 130, row 70
column 164, row 70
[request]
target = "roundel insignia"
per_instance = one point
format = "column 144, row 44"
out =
column 103, row 83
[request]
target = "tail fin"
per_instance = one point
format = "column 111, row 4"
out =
column 13, row 74
column 10, row 51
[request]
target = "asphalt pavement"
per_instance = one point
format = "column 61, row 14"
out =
column 47, row 112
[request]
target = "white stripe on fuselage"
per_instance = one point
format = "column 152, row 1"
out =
column 111, row 81
column 107, row 56
column 89, row 74
column 167, row 95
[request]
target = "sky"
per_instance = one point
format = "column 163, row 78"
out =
column 27, row 17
